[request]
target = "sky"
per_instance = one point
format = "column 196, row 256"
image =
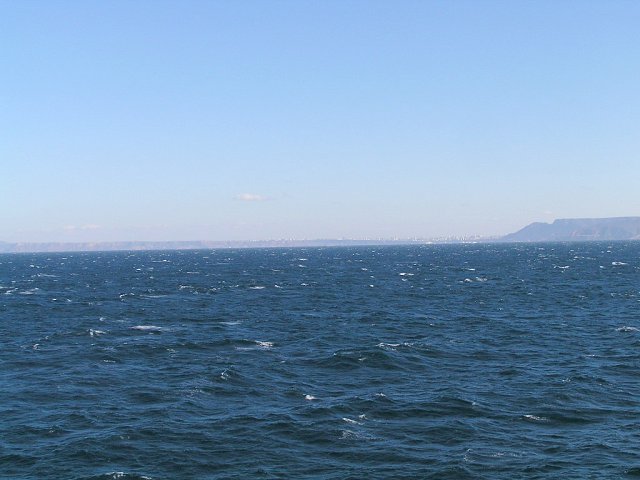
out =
column 253, row 120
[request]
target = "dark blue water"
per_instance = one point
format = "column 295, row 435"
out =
column 447, row 362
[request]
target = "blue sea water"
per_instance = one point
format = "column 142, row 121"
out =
column 483, row 361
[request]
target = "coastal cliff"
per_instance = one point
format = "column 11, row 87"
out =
column 579, row 229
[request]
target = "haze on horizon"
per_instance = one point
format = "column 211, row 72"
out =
column 198, row 120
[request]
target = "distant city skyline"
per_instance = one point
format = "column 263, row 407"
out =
column 197, row 120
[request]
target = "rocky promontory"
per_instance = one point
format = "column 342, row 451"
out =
column 579, row 229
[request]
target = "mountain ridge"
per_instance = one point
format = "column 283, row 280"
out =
column 578, row 229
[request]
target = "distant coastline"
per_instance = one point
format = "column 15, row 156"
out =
column 37, row 247
column 561, row 230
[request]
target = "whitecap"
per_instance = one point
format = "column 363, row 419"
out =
column 147, row 328
column 263, row 344
column 402, row 274
column 619, row 263
column 627, row 329
column 535, row 418
column 118, row 475
column 95, row 333
column 310, row 397
column 473, row 455
column 256, row 288
column 31, row 291
column 350, row 420
column 351, row 435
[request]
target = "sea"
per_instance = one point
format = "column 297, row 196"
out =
column 469, row 361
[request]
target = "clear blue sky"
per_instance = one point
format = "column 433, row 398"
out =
column 158, row 120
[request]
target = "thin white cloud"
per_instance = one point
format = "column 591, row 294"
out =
column 250, row 197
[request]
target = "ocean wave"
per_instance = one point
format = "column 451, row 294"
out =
column 147, row 328
column 627, row 329
column 117, row 476
column 535, row 418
